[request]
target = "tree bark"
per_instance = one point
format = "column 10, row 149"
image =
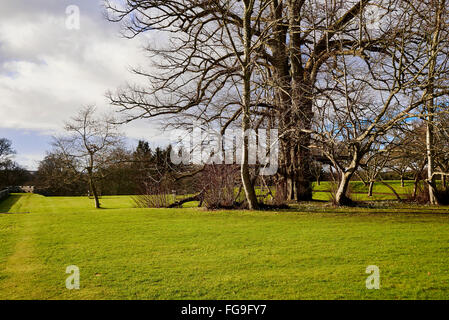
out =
column 92, row 185
column 415, row 186
column 430, row 163
column 370, row 189
column 198, row 197
column 301, row 113
column 430, row 108
column 246, row 68
column 341, row 199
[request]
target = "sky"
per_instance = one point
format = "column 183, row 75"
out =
column 50, row 67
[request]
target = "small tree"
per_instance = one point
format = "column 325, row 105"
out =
column 90, row 139
column 375, row 162
column 5, row 150
column 316, row 169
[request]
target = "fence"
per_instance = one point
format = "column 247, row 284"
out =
column 4, row 194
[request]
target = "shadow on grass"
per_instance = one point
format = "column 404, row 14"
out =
column 374, row 207
column 368, row 211
column 8, row 203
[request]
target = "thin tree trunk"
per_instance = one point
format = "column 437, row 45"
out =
column 415, row 186
column 93, row 188
column 430, row 103
column 370, row 189
column 402, row 181
column 246, row 177
column 430, row 164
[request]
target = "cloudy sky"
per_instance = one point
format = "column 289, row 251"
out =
column 49, row 69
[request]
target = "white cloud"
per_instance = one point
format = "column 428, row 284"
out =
column 30, row 161
column 48, row 72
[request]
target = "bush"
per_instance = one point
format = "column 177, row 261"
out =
column 280, row 194
column 155, row 194
column 220, row 183
column 422, row 195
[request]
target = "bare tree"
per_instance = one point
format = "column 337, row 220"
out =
column 373, row 95
column 6, row 150
column 436, row 28
column 89, row 139
column 399, row 164
column 441, row 150
column 375, row 161
column 412, row 146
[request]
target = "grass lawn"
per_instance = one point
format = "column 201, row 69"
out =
column 360, row 191
column 311, row 252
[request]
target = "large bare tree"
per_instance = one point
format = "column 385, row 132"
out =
column 303, row 53
column 374, row 94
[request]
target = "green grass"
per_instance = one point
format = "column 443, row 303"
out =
column 360, row 191
column 311, row 252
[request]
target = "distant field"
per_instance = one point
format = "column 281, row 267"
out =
column 360, row 191
column 313, row 251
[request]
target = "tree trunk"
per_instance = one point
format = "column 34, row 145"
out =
column 370, row 189
column 341, row 199
column 282, row 79
column 415, row 186
column 301, row 108
column 246, row 68
column 93, row 188
column 430, row 163
column 402, row 181
column 303, row 185
column 245, row 174
column 430, row 108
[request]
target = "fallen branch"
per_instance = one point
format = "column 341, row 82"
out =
column 197, row 197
